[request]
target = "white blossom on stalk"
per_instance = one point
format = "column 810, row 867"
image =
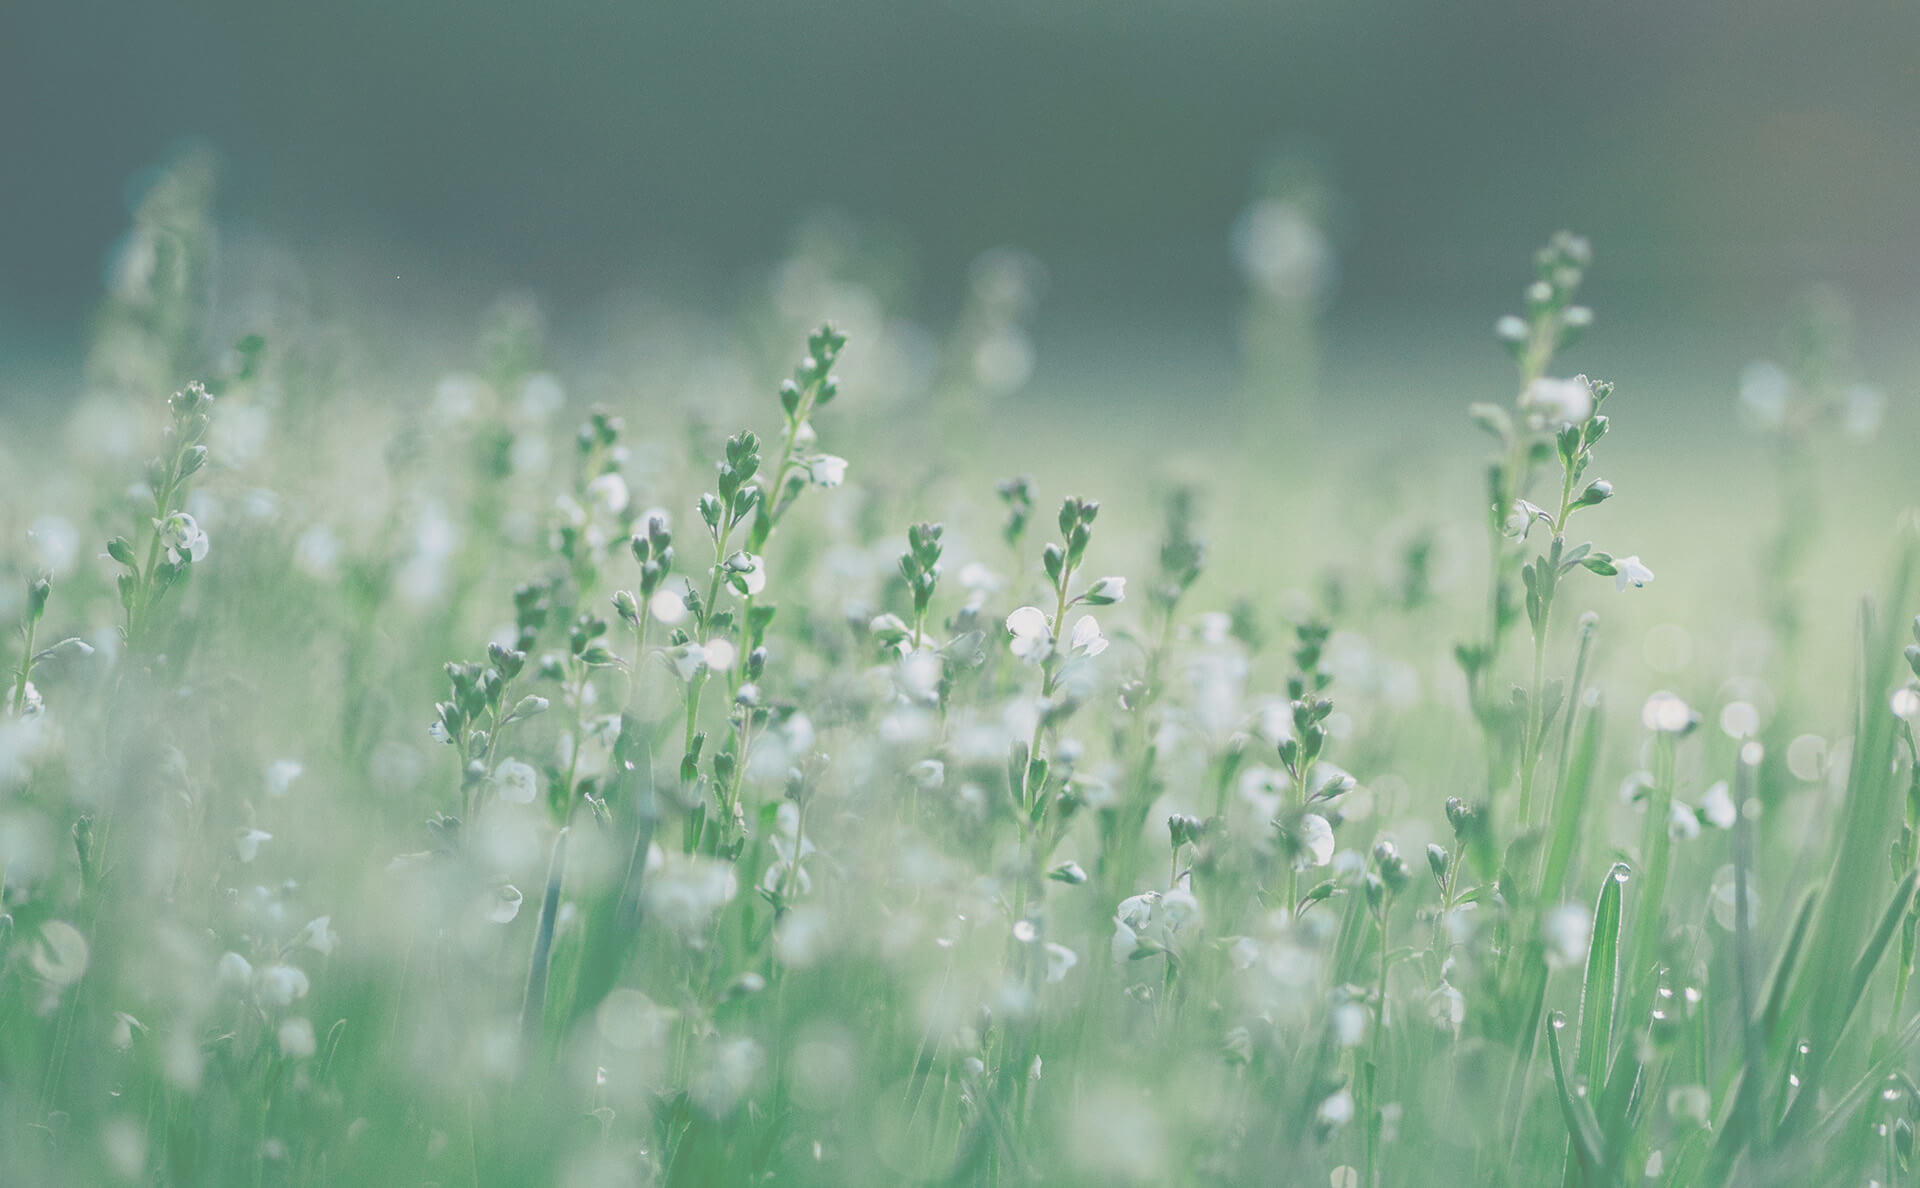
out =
column 247, row 843
column 1032, row 635
column 516, row 782
column 1628, row 571
column 1316, row 842
column 280, row 985
column 609, row 492
column 1060, row 960
column 505, row 905
column 827, row 470
column 319, row 935
column 182, row 538
column 1560, row 401
column 1086, row 639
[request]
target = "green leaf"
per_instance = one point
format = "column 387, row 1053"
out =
column 1784, row 969
column 1602, row 980
column 1583, row 1129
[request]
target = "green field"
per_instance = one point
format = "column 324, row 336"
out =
column 782, row 749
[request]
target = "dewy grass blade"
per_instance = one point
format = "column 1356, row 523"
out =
column 1600, row 987
column 1583, row 1128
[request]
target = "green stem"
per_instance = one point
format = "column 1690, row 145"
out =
column 26, row 669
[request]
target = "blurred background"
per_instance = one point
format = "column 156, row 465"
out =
column 1379, row 170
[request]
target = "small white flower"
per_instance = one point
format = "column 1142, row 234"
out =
column 1060, row 960
column 280, row 776
column 1628, row 571
column 247, row 843
column 1316, row 842
column 233, row 970
column 1125, row 941
column 280, row 985
column 1717, row 806
column 1086, row 639
column 1136, row 910
column 1906, row 703
column 930, row 773
column 516, row 782
column 1178, row 908
column 746, row 570
column 182, row 538
column 319, row 935
column 827, row 470
column 609, row 492
column 505, row 905
column 1682, row 822
column 297, row 1039
column 1336, row 1111
column 1447, row 1007
column 1560, row 401
column 688, row 660
column 1032, row 635
column 123, row 1027
column 1070, row 873
column 1512, row 328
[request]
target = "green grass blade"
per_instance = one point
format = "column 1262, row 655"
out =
column 1773, row 1016
column 1602, row 982
column 1582, row 1127
column 1570, row 805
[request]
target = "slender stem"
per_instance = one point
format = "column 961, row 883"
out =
column 26, row 668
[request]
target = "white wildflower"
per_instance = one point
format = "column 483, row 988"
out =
column 1032, row 635
column 1717, row 806
column 280, row 985
column 297, row 1040
column 827, row 470
column 609, row 493
column 247, row 843
column 1906, row 703
column 1560, row 401
column 1628, row 571
column 505, row 905
column 1086, row 639
column 319, row 935
column 516, row 782
column 182, row 538
column 280, row 776
column 1060, row 961
column 1315, row 835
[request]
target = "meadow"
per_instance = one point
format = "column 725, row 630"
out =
column 805, row 763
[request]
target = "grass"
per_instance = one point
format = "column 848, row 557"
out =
column 485, row 789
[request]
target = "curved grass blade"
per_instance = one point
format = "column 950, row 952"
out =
column 1582, row 1127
